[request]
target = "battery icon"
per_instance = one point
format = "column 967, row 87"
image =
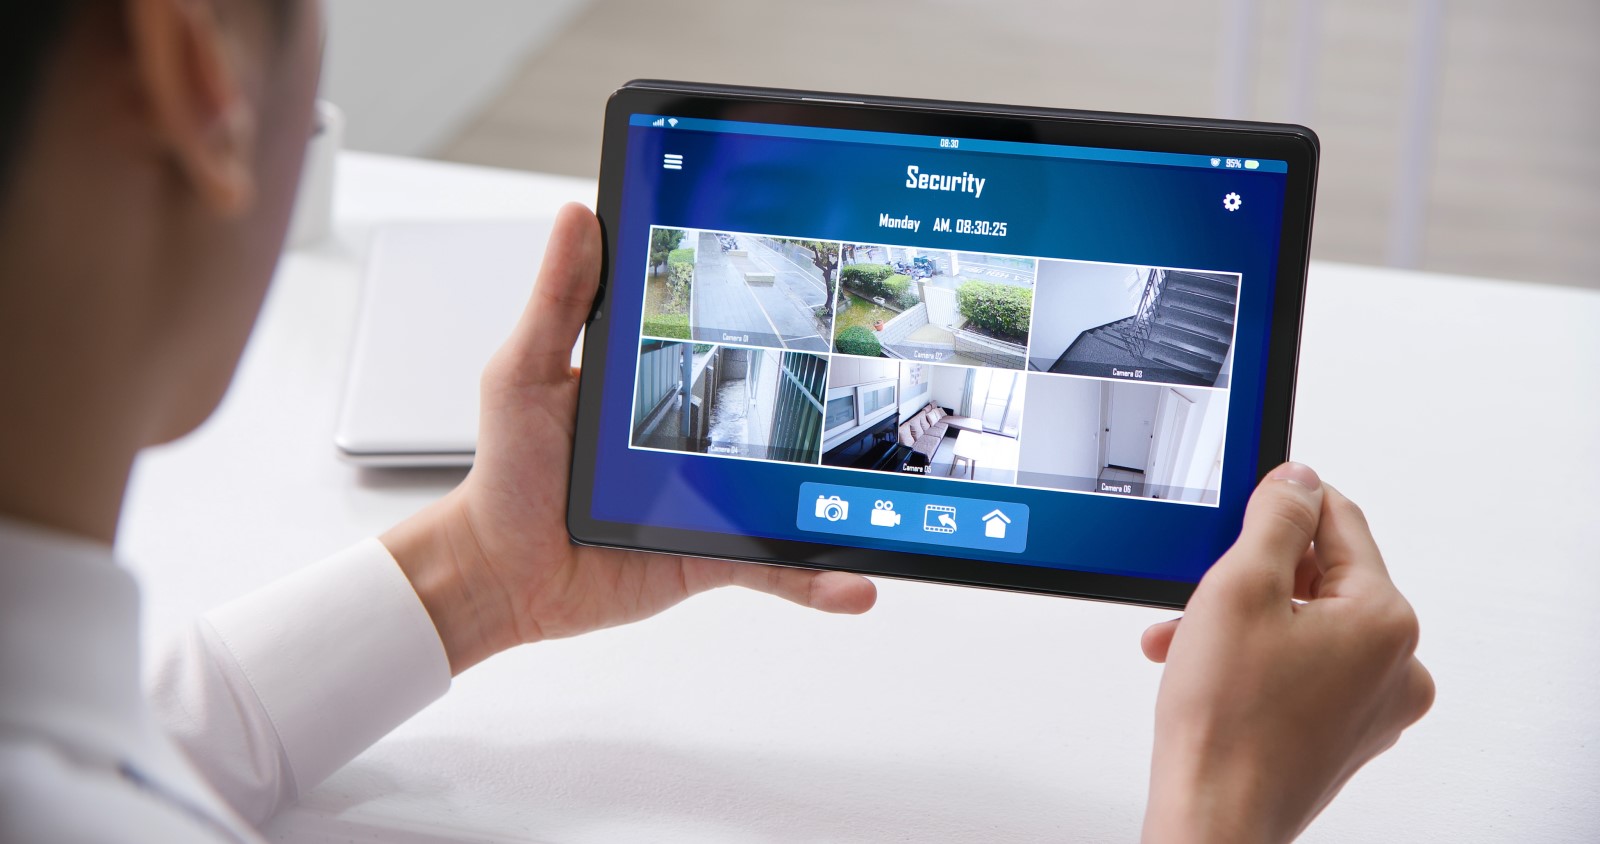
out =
column 1251, row 165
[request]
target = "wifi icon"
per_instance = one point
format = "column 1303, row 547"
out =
column 672, row 121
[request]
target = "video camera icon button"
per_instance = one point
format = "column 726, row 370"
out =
column 884, row 515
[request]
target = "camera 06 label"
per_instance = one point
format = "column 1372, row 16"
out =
column 869, row 513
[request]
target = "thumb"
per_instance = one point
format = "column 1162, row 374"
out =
column 540, row 347
column 1279, row 525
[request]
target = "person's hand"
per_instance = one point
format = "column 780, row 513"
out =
column 1268, row 706
column 492, row 561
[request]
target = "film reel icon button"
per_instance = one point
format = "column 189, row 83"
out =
column 938, row 518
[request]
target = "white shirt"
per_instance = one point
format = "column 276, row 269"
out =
column 254, row 704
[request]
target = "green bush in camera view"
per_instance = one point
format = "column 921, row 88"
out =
column 857, row 340
column 1001, row 308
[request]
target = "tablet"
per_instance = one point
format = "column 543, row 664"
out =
column 1008, row 347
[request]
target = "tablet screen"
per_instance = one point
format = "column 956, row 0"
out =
column 947, row 346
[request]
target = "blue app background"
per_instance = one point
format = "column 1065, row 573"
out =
column 1142, row 214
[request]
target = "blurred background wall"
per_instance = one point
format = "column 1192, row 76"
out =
column 1458, row 135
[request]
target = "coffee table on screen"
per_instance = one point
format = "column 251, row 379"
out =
column 968, row 447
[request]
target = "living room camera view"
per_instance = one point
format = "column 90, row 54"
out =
column 1135, row 323
column 933, row 355
column 752, row 290
column 943, row 421
column 761, row 404
column 934, row 306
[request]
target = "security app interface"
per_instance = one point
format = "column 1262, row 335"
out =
column 1025, row 353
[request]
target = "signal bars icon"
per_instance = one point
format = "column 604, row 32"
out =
column 671, row 161
column 665, row 121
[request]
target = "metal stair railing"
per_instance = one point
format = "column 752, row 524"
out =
column 1138, row 334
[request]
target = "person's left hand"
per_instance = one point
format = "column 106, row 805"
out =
column 492, row 560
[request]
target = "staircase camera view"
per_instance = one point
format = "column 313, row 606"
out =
column 761, row 404
column 934, row 306
column 1136, row 323
column 723, row 287
column 943, row 421
column 884, row 358
column 1120, row 438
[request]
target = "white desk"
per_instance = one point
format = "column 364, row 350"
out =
column 1464, row 415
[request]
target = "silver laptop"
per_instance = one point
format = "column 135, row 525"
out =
column 437, row 301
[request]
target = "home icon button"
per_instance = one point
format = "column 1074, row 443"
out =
column 994, row 524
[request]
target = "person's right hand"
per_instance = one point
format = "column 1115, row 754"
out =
column 1268, row 706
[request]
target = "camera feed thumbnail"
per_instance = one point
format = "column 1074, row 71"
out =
column 722, row 287
column 1119, row 438
column 1135, row 323
column 913, row 418
column 933, row 306
column 761, row 404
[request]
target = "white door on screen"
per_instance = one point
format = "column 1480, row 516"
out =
column 1131, row 420
column 1172, row 415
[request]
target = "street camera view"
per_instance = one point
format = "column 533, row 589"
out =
column 725, row 287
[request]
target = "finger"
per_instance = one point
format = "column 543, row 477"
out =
column 1346, row 551
column 541, row 344
column 1157, row 640
column 829, row 591
column 1420, row 691
column 1279, row 525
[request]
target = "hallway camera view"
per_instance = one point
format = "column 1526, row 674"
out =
column 1135, row 323
column 762, row 404
column 1118, row 438
column 941, row 421
column 722, row 287
column 934, row 306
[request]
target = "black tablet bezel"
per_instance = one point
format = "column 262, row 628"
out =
column 1294, row 144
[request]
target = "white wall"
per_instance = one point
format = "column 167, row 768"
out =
column 909, row 403
column 1072, row 298
column 1061, row 427
column 1205, row 435
column 410, row 73
column 764, row 376
column 947, row 385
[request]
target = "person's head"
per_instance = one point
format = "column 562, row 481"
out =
column 149, row 155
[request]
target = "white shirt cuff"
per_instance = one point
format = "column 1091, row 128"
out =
column 339, row 654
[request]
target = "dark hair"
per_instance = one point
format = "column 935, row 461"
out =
column 29, row 32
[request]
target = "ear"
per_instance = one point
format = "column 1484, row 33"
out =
column 186, row 66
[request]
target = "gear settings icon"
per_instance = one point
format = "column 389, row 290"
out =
column 1232, row 202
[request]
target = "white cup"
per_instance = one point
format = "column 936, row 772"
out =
column 313, row 208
